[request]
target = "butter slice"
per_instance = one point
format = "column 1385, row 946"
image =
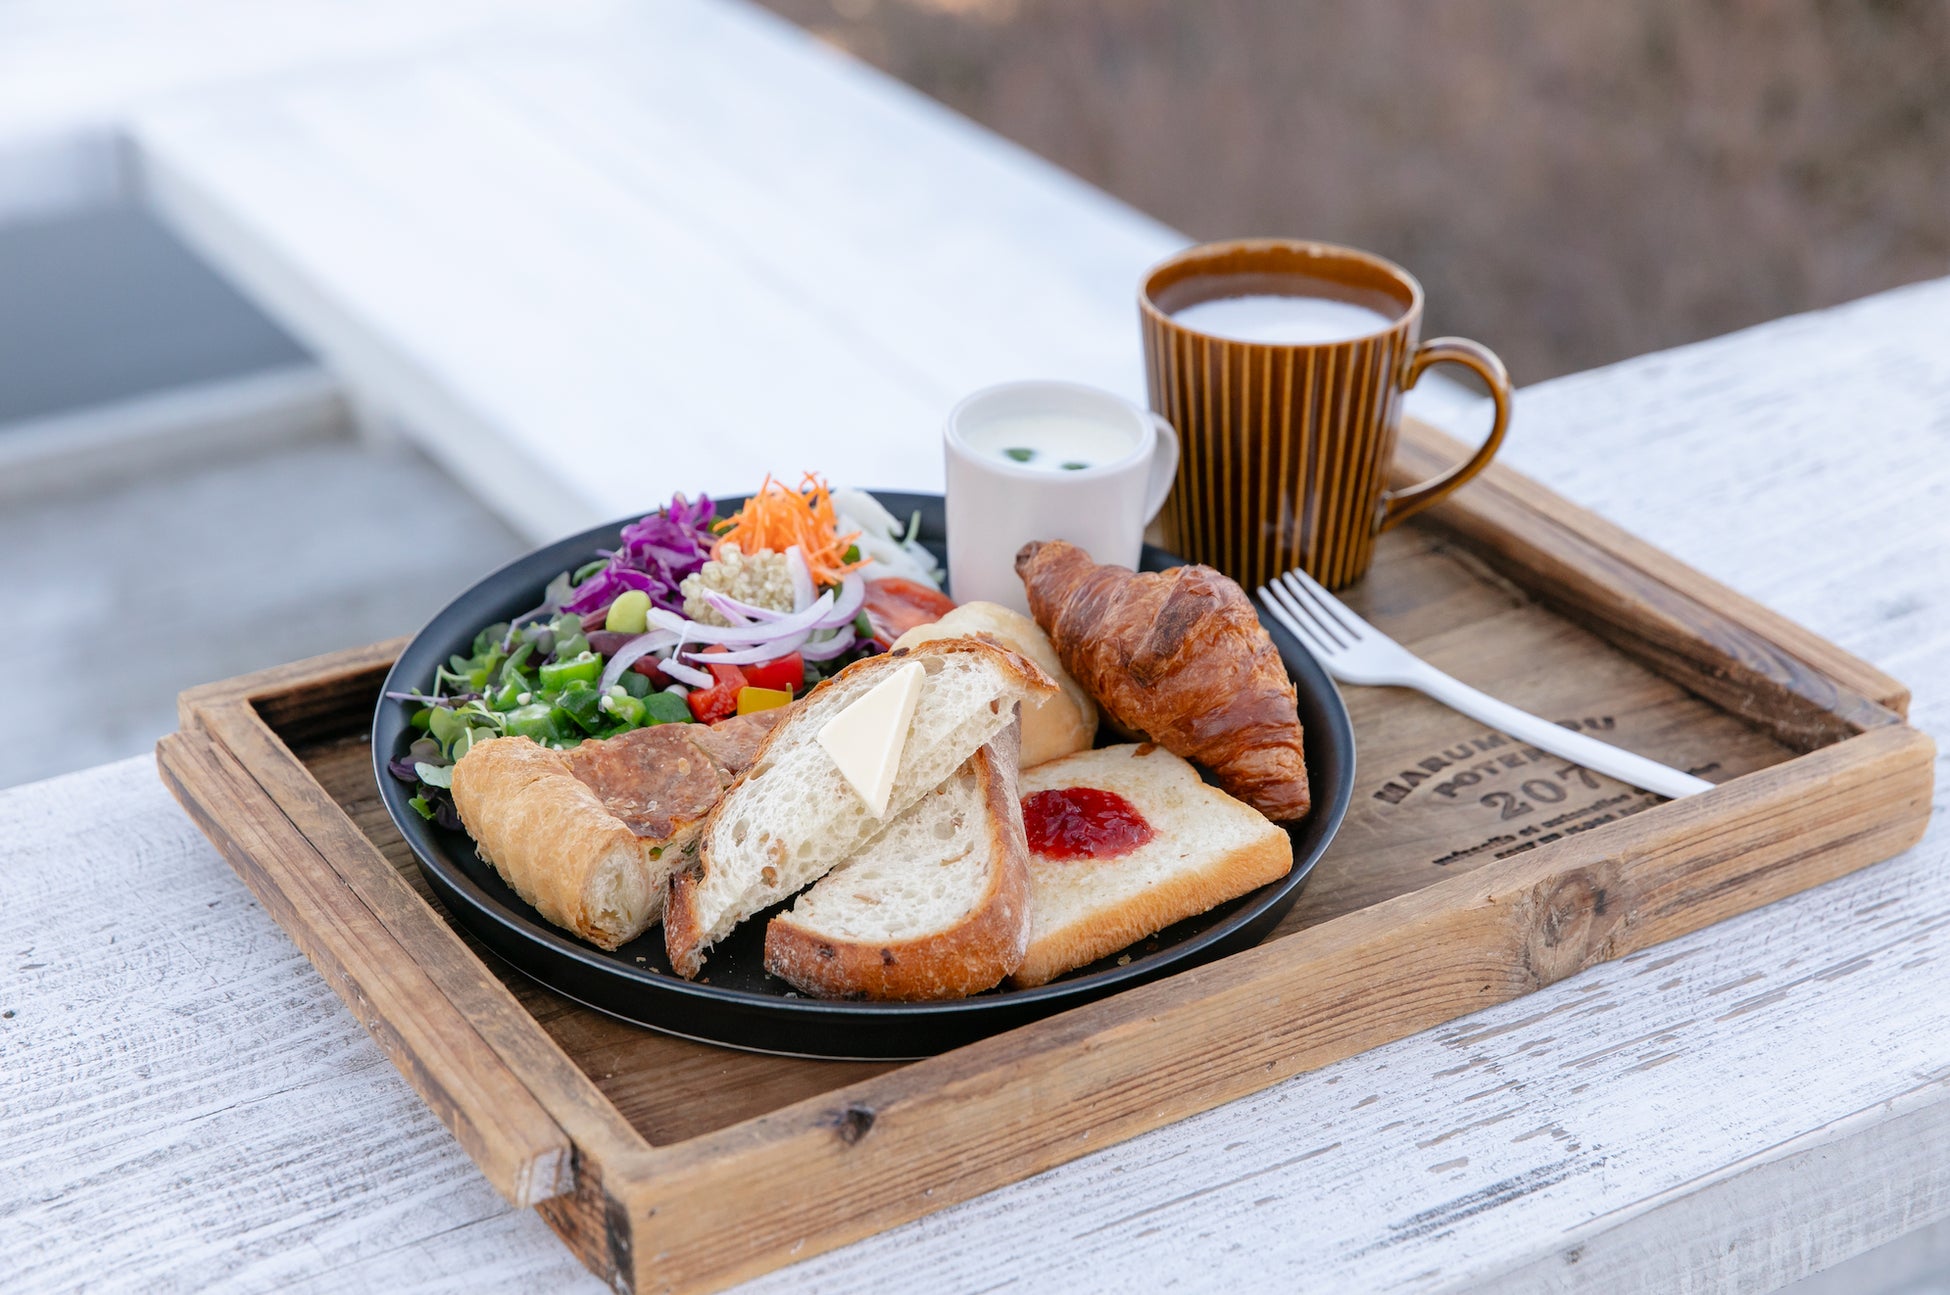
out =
column 867, row 738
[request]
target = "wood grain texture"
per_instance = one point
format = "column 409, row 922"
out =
column 1438, row 794
column 332, row 680
column 975, row 1118
column 492, row 1113
column 1420, row 439
column 1419, row 893
column 185, row 1103
column 1523, row 918
column 668, row 1089
column 1684, row 626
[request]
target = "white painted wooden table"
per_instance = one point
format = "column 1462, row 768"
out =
column 184, row 1105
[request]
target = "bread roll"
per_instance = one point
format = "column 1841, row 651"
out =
column 1057, row 726
column 590, row 836
column 550, row 837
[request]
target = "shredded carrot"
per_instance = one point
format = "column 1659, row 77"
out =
column 778, row 517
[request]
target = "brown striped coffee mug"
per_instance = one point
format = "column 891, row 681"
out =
column 1282, row 365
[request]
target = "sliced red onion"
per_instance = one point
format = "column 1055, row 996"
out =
column 687, row 674
column 801, row 574
column 627, row 655
column 739, row 614
column 827, row 649
column 751, row 613
column 745, row 635
column 751, row 655
column 853, row 592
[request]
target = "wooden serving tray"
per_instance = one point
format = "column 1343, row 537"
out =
column 1470, row 870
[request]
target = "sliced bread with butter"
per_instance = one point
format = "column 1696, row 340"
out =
column 936, row 906
column 1204, row 848
column 793, row 816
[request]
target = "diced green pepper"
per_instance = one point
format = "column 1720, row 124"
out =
column 584, row 705
column 583, row 667
column 665, row 708
column 626, row 711
column 535, row 720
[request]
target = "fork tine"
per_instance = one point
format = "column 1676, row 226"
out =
column 1300, row 621
column 1335, row 611
column 1297, row 626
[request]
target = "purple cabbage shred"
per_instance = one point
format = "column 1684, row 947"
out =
column 656, row 553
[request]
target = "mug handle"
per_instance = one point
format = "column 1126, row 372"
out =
column 1400, row 505
column 1164, row 467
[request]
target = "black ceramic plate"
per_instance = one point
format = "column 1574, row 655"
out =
column 739, row 1004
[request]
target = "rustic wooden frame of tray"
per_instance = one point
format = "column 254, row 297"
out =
column 1470, row 871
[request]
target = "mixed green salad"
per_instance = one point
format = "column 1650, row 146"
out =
column 691, row 619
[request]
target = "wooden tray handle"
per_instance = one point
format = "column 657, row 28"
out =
column 518, row 1146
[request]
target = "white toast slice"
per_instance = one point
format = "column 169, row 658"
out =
column 792, row 817
column 936, row 906
column 1206, row 848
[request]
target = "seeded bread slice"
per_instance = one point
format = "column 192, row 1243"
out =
column 793, row 817
column 1206, row 848
column 936, row 906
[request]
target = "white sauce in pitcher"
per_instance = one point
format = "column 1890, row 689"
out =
column 1051, row 442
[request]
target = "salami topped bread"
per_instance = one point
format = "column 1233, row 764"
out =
column 590, row 836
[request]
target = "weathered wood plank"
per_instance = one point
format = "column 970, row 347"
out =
column 1684, row 625
column 1431, row 444
column 906, row 1143
column 422, row 939
column 518, row 1145
column 1477, row 923
column 330, row 679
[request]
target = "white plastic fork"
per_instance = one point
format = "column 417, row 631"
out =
column 1354, row 651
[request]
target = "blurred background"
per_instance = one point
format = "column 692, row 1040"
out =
column 1579, row 184
column 226, row 442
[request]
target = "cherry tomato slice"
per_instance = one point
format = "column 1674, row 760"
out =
column 895, row 606
column 786, row 674
column 720, row 700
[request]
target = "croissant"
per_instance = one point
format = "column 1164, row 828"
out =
column 1178, row 657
